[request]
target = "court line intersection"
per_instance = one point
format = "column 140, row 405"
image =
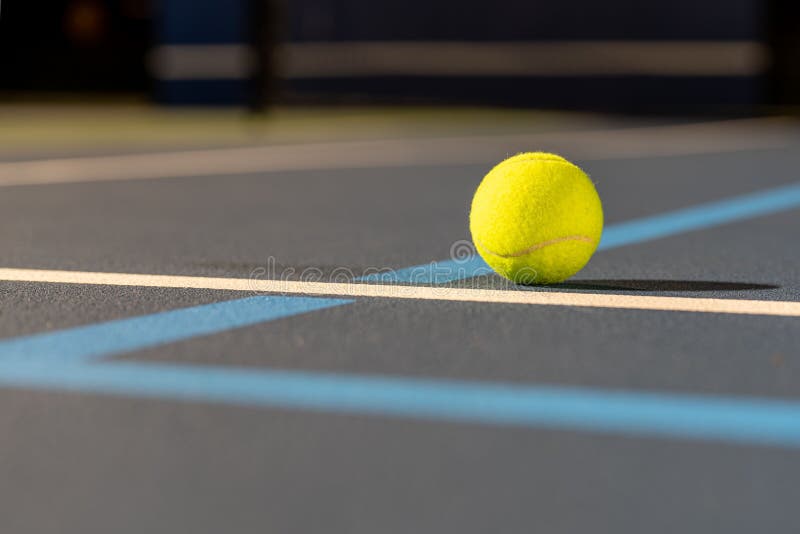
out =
column 61, row 360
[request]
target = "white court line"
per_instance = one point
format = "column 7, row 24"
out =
column 674, row 140
column 530, row 297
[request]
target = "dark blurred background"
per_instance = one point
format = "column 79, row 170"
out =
column 623, row 55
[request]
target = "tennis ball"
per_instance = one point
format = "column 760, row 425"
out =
column 536, row 218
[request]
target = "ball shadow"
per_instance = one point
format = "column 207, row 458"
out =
column 663, row 285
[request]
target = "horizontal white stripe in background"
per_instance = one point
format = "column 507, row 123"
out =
column 545, row 58
column 201, row 62
column 455, row 58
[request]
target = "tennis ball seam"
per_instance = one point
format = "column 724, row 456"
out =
column 537, row 246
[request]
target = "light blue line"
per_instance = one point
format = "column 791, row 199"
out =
column 435, row 272
column 628, row 233
column 702, row 216
column 732, row 419
column 754, row 421
column 75, row 345
column 114, row 337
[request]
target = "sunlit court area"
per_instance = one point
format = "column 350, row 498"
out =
column 419, row 266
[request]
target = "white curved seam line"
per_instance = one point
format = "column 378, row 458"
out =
column 537, row 246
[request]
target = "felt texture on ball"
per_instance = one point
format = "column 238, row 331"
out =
column 536, row 218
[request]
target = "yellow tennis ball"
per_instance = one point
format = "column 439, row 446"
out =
column 536, row 218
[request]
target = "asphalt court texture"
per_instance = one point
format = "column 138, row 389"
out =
column 164, row 409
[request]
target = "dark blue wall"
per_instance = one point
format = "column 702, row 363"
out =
column 201, row 21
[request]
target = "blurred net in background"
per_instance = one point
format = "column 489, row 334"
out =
column 619, row 55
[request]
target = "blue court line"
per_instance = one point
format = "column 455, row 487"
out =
column 640, row 230
column 757, row 421
column 435, row 272
column 85, row 343
column 731, row 419
column 125, row 335
column 702, row 216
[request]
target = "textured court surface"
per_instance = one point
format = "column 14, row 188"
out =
column 152, row 409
